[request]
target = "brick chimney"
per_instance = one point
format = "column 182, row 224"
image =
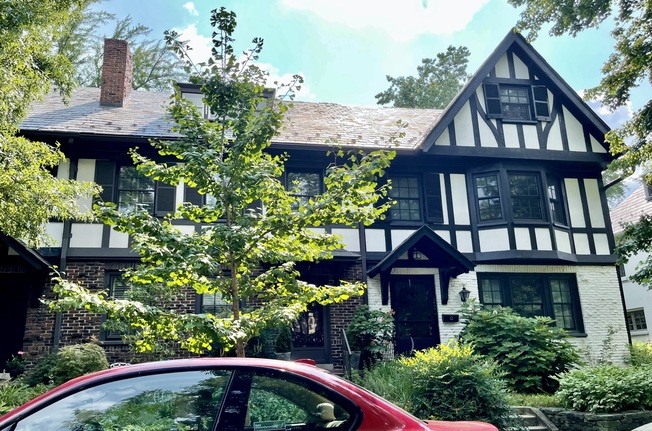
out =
column 116, row 73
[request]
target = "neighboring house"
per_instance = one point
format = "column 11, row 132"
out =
column 500, row 194
column 638, row 299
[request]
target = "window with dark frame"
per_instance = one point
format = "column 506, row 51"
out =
column 555, row 202
column 129, row 189
column 406, row 195
column 213, row 303
column 304, row 185
column 135, row 190
column 117, row 289
column 524, row 191
column 636, row 320
column 516, row 101
column 488, row 194
column 526, row 197
column 552, row 295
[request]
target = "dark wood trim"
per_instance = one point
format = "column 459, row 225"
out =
column 510, row 64
column 473, row 105
column 562, row 130
column 587, row 214
column 533, row 238
column 451, row 134
column 497, row 130
column 521, row 136
column 541, row 257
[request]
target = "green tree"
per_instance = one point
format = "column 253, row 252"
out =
column 255, row 230
column 626, row 68
column 438, row 81
column 29, row 194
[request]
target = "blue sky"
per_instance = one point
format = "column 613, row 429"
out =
column 344, row 48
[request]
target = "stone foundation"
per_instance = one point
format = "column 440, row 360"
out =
column 570, row 420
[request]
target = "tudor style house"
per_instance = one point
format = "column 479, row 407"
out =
column 499, row 194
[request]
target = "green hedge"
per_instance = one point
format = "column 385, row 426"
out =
column 531, row 351
column 607, row 389
column 449, row 382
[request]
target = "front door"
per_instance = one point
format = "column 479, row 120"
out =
column 415, row 312
column 310, row 333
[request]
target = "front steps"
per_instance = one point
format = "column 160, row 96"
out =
column 533, row 420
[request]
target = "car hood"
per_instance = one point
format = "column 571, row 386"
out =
column 460, row 426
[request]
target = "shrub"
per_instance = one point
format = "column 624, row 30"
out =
column 77, row 360
column 284, row 340
column 41, row 372
column 15, row 366
column 529, row 350
column 449, row 382
column 640, row 354
column 370, row 332
column 606, row 389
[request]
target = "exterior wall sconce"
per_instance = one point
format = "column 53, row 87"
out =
column 464, row 294
column 416, row 255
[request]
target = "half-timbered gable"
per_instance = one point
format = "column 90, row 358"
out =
column 498, row 195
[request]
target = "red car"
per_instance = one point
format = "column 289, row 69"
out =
column 215, row 394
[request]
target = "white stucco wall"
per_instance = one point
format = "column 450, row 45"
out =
column 600, row 301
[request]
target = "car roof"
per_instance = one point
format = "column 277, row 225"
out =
column 303, row 369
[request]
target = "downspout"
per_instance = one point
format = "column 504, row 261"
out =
column 63, row 260
column 362, row 234
column 622, row 299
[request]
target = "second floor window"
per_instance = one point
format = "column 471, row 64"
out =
column 129, row 189
column 135, row 190
column 522, row 196
column 407, row 199
column 304, row 185
column 488, row 197
column 554, row 200
column 525, row 196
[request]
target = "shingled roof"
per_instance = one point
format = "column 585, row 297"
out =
column 631, row 209
column 306, row 123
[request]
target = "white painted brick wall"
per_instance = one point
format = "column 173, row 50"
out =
column 600, row 300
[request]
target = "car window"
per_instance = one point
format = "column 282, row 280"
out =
column 180, row 401
column 278, row 403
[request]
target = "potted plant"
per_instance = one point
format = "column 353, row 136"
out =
column 284, row 343
column 371, row 333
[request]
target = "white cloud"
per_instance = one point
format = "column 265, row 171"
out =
column 201, row 52
column 200, row 44
column 190, row 7
column 614, row 119
column 276, row 78
column 402, row 20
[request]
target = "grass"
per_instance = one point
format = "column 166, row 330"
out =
column 533, row 400
column 14, row 394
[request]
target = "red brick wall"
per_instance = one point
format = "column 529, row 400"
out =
column 116, row 73
column 80, row 326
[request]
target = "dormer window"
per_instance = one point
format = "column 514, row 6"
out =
column 516, row 102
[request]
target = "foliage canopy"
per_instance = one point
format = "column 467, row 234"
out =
column 254, row 230
column 29, row 194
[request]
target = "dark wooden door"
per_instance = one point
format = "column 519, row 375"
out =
column 310, row 335
column 13, row 312
column 415, row 318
